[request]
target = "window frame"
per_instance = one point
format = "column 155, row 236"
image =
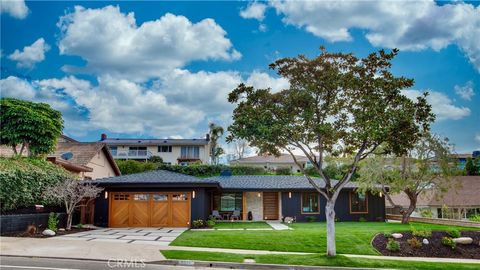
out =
column 350, row 202
column 160, row 149
column 301, row 203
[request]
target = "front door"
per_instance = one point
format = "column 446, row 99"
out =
column 270, row 205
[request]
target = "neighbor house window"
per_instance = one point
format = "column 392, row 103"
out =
column 310, row 203
column 113, row 150
column 190, row 152
column 137, row 151
column 358, row 203
column 227, row 202
column 165, row 148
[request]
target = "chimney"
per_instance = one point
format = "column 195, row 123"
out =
column 207, row 137
column 103, row 137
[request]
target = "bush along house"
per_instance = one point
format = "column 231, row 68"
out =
column 167, row 199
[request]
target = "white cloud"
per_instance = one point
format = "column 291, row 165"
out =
column 477, row 138
column 407, row 25
column 465, row 92
column 16, row 88
column 254, row 10
column 16, row 8
column 442, row 105
column 112, row 43
column 263, row 80
column 30, row 55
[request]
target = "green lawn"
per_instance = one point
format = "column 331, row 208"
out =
column 352, row 237
column 312, row 260
column 242, row 225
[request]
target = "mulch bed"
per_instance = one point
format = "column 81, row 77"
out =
column 435, row 248
column 40, row 235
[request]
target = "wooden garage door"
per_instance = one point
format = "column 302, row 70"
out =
column 159, row 209
column 270, row 205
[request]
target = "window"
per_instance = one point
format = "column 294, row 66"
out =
column 179, row 197
column 227, row 202
column 121, row 197
column 140, row 197
column 113, row 150
column 190, row 152
column 137, row 151
column 165, row 148
column 160, row 197
column 358, row 203
column 310, row 203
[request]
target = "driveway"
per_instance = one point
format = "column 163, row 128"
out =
column 147, row 236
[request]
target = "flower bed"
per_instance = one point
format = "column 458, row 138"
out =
column 434, row 248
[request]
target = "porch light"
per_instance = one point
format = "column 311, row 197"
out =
column 193, row 194
column 259, row 194
column 106, row 194
column 289, row 195
column 380, row 194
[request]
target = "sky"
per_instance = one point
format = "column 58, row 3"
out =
column 164, row 69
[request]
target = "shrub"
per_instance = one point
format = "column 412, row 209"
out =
column 79, row 226
column 155, row 159
column 475, row 218
column 448, row 241
column 283, row 171
column 211, row 222
column 393, row 245
column 134, row 166
column 362, row 219
column 198, row 223
column 23, row 180
column 311, row 218
column 426, row 213
column 53, row 221
column 204, row 170
column 422, row 233
column 454, row 233
column 414, row 242
column 387, row 235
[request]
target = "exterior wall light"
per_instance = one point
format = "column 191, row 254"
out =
column 193, row 194
column 289, row 195
column 259, row 194
column 106, row 194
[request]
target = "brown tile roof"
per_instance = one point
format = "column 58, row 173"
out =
column 463, row 192
column 283, row 158
column 83, row 152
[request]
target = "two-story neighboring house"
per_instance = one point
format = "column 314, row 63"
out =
column 172, row 151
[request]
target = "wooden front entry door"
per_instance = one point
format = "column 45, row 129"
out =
column 270, row 205
column 158, row 209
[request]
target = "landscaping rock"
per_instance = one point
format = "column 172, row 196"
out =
column 397, row 235
column 463, row 240
column 61, row 229
column 425, row 241
column 48, row 232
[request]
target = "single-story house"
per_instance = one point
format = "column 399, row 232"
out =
column 461, row 201
column 163, row 198
column 272, row 163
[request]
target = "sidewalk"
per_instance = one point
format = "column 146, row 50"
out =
column 55, row 248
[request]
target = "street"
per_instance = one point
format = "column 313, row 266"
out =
column 27, row 263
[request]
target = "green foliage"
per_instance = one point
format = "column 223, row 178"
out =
column 204, row 170
column 448, row 241
column 28, row 124
column 211, row 222
column 454, row 233
column 283, row 171
column 311, row 218
column 155, row 159
column 422, row 233
column 393, row 245
column 387, row 235
column 472, row 166
column 23, row 180
column 414, row 242
column 79, row 226
column 198, row 223
column 53, row 221
column 216, row 133
column 475, row 218
column 426, row 213
column 362, row 219
column 133, row 166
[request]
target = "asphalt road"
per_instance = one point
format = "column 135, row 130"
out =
column 26, row 263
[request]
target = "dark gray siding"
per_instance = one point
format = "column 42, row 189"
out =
column 200, row 205
column 291, row 207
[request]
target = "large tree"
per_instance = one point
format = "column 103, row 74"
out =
column 336, row 104
column 32, row 126
column 426, row 166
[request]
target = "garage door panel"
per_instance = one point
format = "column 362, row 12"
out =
column 120, row 210
column 180, row 209
column 160, row 210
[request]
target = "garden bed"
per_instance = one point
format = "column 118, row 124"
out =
column 435, row 248
column 40, row 235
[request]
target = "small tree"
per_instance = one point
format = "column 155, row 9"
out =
column 425, row 166
column 472, row 166
column 336, row 104
column 32, row 126
column 71, row 193
column 240, row 147
column 215, row 133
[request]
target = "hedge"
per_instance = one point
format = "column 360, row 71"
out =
column 212, row 170
column 23, row 181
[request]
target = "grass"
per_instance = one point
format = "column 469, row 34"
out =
column 242, row 225
column 351, row 237
column 312, row 260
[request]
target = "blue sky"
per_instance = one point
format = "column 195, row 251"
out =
column 163, row 69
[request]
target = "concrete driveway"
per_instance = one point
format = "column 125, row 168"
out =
column 145, row 236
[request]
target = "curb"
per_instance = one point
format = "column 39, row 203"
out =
column 231, row 265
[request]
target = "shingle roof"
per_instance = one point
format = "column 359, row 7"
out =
column 274, row 182
column 283, row 158
column 155, row 177
column 120, row 141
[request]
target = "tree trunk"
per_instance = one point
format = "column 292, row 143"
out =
column 330, row 215
column 69, row 221
column 411, row 207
